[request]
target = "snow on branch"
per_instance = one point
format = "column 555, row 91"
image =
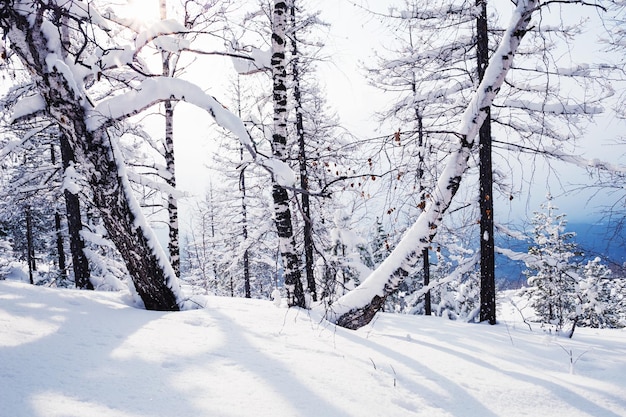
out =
column 158, row 29
column 81, row 10
column 589, row 163
column 154, row 90
column 256, row 60
column 27, row 107
column 553, row 108
column 579, row 161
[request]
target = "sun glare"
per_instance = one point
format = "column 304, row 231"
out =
column 142, row 12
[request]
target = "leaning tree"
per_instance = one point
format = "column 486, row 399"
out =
column 68, row 78
column 359, row 306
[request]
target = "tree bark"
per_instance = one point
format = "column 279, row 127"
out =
column 244, row 210
column 282, row 211
column 60, row 247
column 58, row 230
column 487, row 248
column 244, row 229
column 97, row 155
column 426, row 270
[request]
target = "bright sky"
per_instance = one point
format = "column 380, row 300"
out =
column 350, row 42
column 353, row 37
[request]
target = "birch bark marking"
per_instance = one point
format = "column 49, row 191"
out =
column 282, row 212
column 358, row 307
column 170, row 160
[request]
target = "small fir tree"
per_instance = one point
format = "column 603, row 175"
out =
column 552, row 273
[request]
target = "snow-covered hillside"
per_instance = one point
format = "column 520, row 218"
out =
column 66, row 353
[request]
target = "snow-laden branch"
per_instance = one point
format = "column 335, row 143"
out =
column 579, row 161
column 161, row 29
column 533, row 261
column 359, row 306
column 156, row 185
column 525, row 257
column 155, row 90
column 585, row 163
column 245, row 63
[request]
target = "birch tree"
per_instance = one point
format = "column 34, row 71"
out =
column 359, row 306
column 282, row 211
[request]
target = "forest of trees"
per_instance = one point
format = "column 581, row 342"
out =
column 295, row 205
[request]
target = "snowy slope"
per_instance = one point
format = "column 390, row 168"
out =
column 66, row 353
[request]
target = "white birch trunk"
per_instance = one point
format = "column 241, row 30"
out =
column 282, row 211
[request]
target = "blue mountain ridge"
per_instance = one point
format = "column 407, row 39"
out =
column 604, row 240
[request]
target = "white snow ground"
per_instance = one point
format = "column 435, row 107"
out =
column 66, row 353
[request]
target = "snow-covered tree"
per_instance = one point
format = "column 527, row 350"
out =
column 443, row 50
column 282, row 210
column 552, row 271
column 600, row 298
column 69, row 78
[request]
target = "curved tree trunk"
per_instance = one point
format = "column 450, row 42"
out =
column 358, row 307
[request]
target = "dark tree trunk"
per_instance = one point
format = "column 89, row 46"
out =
column 60, row 246
column 58, row 230
column 421, row 172
column 244, row 227
column 282, row 211
column 426, row 270
column 103, row 164
column 302, row 160
column 80, row 264
column 30, row 246
column 214, row 246
column 244, row 210
column 487, row 250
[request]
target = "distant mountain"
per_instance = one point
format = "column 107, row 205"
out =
column 603, row 240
